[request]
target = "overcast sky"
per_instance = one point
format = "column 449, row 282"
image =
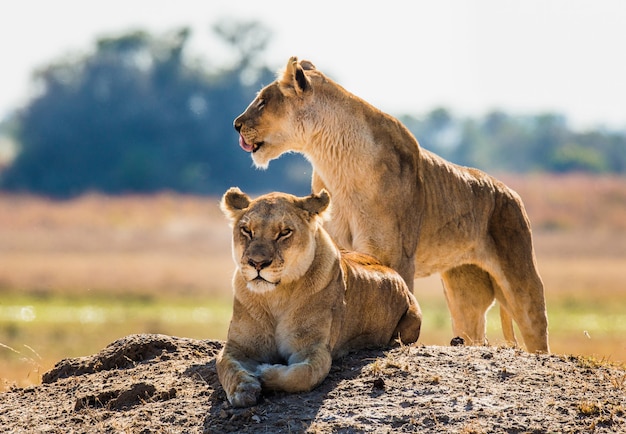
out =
column 523, row 56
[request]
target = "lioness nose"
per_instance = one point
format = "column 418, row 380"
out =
column 237, row 124
column 259, row 264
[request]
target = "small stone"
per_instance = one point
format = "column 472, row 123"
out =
column 379, row 384
column 457, row 342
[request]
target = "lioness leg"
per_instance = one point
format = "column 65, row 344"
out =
column 521, row 293
column 512, row 265
column 408, row 328
column 507, row 325
column 236, row 373
column 406, row 269
column 469, row 293
column 505, row 317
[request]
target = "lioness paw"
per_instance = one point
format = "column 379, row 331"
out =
column 298, row 377
column 275, row 377
column 269, row 373
column 246, row 394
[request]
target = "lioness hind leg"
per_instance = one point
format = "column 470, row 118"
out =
column 522, row 294
column 506, row 320
column 512, row 265
column 469, row 293
column 507, row 326
column 409, row 326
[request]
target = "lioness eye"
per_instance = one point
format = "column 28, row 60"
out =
column 284, row 233
column 260, row 104
column 246, row 232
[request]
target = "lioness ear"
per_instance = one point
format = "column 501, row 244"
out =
column 316, row 204
column 307, row 65
column 233, row 202
column 294, row 81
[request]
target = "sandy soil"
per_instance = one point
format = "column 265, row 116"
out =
column 162, row 384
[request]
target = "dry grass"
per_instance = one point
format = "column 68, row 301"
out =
column 170, row 247
column 160, row 244
column 573, row 202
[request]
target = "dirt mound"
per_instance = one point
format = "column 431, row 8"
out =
column 157, row 383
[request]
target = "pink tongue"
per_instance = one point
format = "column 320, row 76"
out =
column 244, row 145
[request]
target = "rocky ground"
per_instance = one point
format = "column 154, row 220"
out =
column 163, row 384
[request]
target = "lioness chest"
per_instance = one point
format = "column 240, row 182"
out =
column 295, row 320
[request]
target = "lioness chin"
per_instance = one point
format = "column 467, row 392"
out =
column 299, row 301
column 414, row 211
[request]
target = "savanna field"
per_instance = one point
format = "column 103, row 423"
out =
column 76, row 275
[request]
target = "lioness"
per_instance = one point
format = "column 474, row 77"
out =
column 299, row 301
column 414, row 211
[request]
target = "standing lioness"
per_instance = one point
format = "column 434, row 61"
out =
column 300, row 302
column 410, row 208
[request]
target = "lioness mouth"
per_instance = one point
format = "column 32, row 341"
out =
column 247, row 147
column 259, row 278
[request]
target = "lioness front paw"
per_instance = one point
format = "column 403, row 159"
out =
column 270, row 375
column 246, row 394
column 289, row 378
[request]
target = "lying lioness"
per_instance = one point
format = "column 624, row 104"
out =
column 411, row 209
column 299, row 301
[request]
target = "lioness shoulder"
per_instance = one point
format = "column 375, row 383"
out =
column 299, row 301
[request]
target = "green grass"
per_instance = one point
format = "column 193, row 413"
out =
column 65, row 311
column 37, row 332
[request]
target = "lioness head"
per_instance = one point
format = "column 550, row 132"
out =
column 265, row 127
column 273, row 235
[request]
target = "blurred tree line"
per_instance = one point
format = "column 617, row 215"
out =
column 506, row 143
column 137, row 115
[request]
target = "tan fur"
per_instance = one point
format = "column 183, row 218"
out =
column 408, row 207
column 299, row 301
